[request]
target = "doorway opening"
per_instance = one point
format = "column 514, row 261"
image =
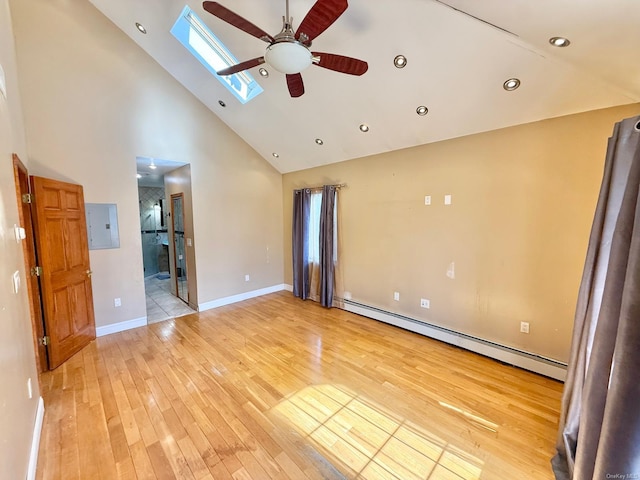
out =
column 166, row 230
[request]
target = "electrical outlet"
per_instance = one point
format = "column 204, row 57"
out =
column 117, row 302
column 524, row 327
column 427, row 199
column 396, row 296
column 424, row 303
column 247, row 278
column 447, row 199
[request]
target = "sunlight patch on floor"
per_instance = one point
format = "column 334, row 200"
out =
column 372, row 443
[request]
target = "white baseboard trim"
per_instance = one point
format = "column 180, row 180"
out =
column 220, row 302
column 35, row 440
column 519, row 358
column 121, row 326
column 288, row 288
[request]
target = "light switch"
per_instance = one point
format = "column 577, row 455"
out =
column 3, row 84
column 16, row 281
column 189, row 242
column 427, row 199
column 20, row 233
column 447, row 199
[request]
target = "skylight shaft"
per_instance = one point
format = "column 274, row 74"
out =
column 211, row 52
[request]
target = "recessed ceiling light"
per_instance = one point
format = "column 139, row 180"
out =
column 263, row 72
column 511, row 84
column 422, row 110
column 221, row 103
column 364, row 127
column 319, row 141
column 559, row 41
column 275, row 155
column 138, row 175
column 141, row 28
column 400, row 61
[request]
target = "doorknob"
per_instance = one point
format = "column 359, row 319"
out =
column 89, row 272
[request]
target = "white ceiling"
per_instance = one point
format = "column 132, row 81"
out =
column 456, row 67
column 154, row 177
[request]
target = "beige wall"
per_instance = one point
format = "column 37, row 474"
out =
column 517, row 229
column 93, row 101
column 175, row 182
column 17, row 360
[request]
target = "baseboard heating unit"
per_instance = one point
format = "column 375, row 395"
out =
column 513, row 356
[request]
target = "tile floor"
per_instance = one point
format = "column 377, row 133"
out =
column 161, row 303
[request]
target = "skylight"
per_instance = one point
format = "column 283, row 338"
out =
column 211, row 52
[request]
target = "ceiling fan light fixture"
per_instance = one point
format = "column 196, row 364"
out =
column 263, row 72
column 141, row 28
column 422, row 110
column 288, row 57
column 400, row 61
column 364, row 128
column 152, row 166
column 511, row 84
column 559, row 42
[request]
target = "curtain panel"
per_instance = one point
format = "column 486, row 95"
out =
column 327, row 257
column 300, row 242
column 599, row 433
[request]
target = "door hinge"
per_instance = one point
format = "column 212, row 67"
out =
column 44, row 341
column 27, row 198
column 36, row 271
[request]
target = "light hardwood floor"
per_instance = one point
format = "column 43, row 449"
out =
column 277, row 388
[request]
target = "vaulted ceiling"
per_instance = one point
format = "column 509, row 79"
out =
column 459, row 54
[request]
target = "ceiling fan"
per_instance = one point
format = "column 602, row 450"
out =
column 288, row 51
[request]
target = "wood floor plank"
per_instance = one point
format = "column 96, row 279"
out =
column 277, row 388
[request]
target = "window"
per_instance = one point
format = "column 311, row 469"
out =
column 314, row 227
column 315, row 210
column 211, row 52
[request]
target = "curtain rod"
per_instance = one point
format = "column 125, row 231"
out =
column 338, row 185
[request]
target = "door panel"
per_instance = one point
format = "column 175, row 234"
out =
column 29, row 249
column 179, row 252
column 61, row 239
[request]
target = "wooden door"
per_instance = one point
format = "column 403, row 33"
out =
column 63, row 254
column 21, row 177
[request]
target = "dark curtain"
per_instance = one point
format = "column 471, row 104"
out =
column 327, row 222
column 300, row 241
column 599, row 435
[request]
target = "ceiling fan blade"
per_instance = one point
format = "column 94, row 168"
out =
column 295, row 84
column 340, row 63
column 319, row 18
column 241, row 66
column 223, row 13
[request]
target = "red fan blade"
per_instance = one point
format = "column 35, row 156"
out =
column 342, row 64
column 241, row 66
column 295, row 84
column 223, row 13
column 319, row 18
